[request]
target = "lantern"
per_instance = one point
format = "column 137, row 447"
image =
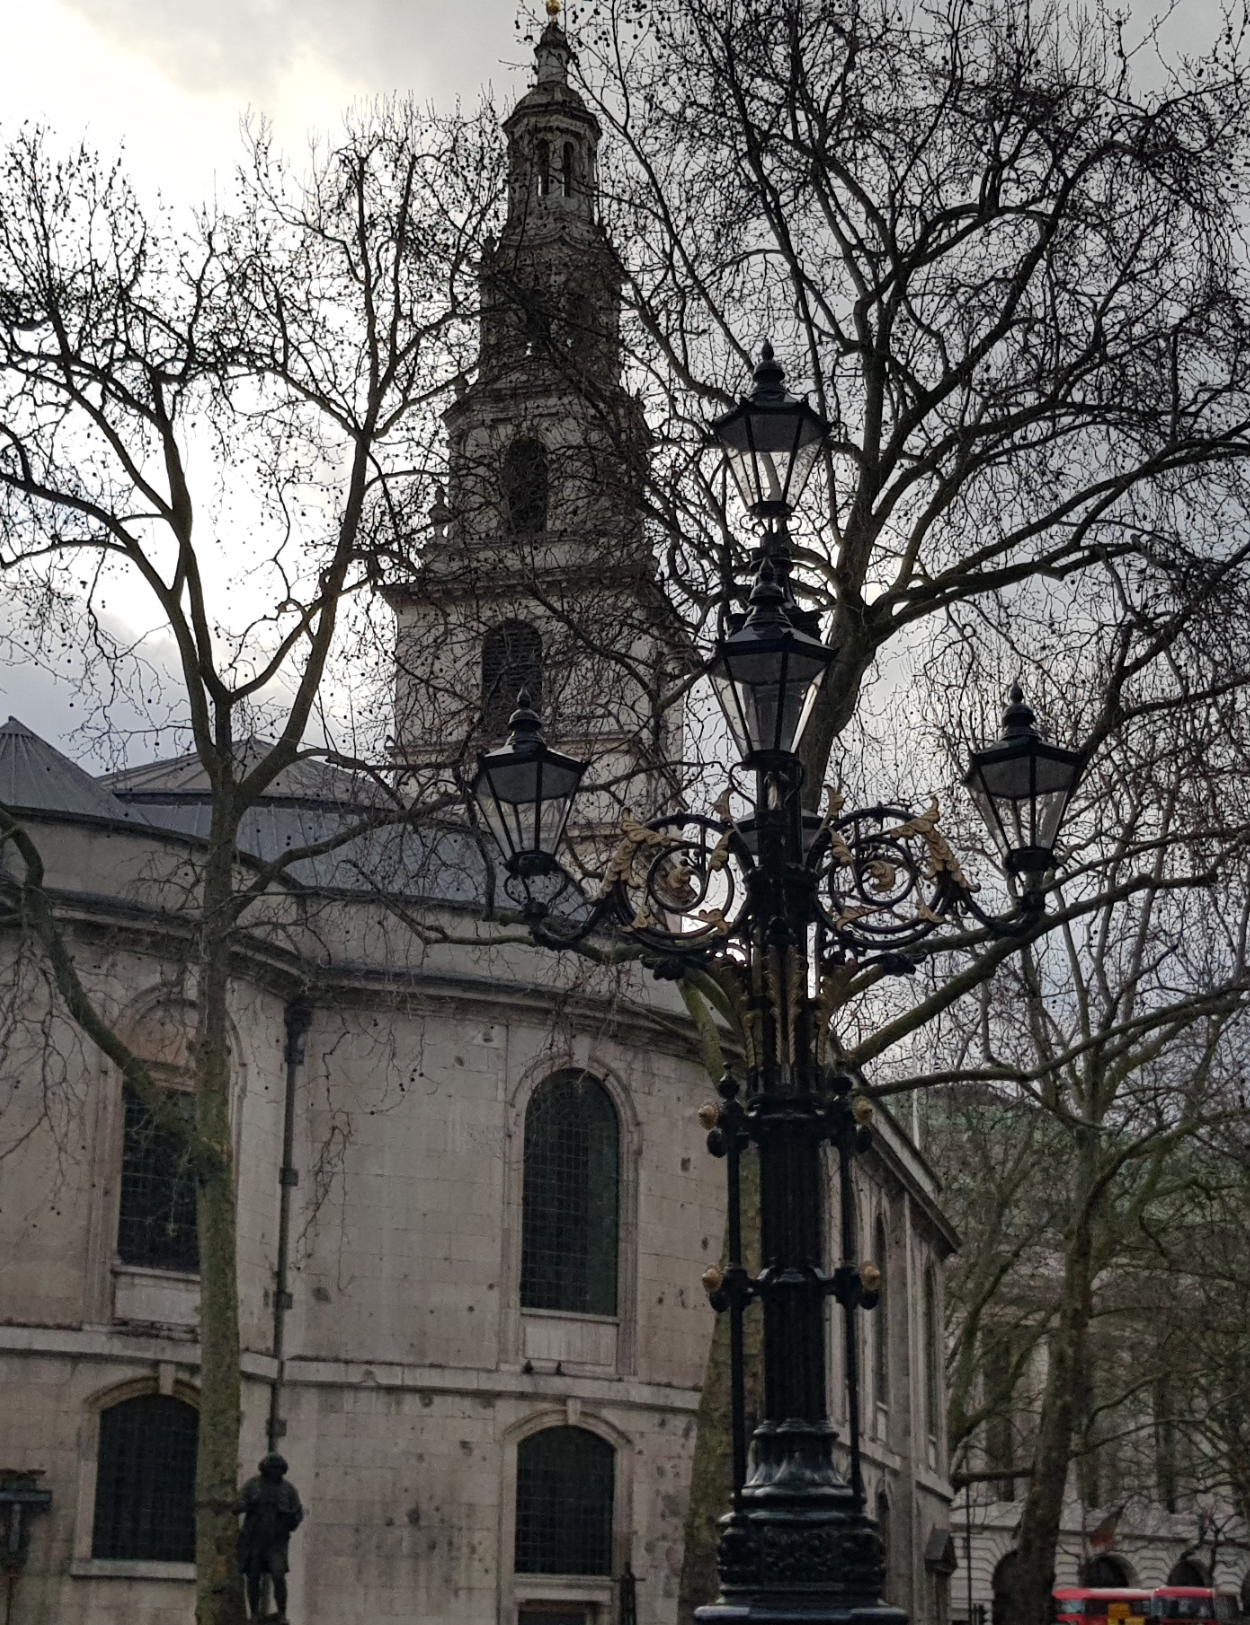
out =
column 768, row 674
column 1022, row 787
column 771, row 440
column 525, row 790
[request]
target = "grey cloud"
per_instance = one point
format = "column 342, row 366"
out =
column 245, row 47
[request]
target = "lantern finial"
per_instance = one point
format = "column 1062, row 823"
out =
column 524, row 725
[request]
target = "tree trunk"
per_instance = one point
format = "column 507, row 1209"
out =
column 219, row 1596
column 1052, row 1457
column 711, row 1475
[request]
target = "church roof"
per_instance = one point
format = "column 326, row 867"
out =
column 315, row 782
column 36, row 777
column 309, row 803
column 312, row 803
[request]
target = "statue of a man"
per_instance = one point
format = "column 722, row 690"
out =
column 271, row 1511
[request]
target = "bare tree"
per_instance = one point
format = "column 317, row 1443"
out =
column 220, row 419
column 1083, row 1085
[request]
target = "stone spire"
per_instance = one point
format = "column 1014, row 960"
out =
column 553, row 138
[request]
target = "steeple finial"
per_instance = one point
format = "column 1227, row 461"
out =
column 552, row 51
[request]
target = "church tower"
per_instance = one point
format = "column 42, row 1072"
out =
column 538, row 574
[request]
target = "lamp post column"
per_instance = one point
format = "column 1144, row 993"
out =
column 797, row 1544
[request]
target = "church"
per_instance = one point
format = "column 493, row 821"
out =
column 475, row 1201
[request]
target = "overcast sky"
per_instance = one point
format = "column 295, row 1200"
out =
column 169, row 81
column 171, row 78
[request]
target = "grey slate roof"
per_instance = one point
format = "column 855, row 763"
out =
column 427, row 862
column 309, row 781
column 308, row 803
column 36, row 777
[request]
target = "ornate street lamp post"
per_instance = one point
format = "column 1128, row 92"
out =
column 775, row 908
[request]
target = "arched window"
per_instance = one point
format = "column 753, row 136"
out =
column 156, row 1226
column 525, row 485
column 544, row 168
column 569, row 1211
column 564, row 1485
column 932, row 1355
column 566, row 170
column 881, row 1320
column 512, row 660
column 145, row 1481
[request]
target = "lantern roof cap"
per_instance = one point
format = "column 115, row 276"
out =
column 1018, row 718
column 525, row 726
column 769, row 379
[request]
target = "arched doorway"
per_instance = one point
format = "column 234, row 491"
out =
column 1105, row 1570
column 1004, row 1584
column 1188, row 1571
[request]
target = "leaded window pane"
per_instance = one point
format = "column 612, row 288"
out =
column 145, row 1481
column 156, row 1225
column 564, row 1485
column 571, row 1195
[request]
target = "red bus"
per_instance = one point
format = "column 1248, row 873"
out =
column 1098, row 1605
column 1134, row 1605
column 1195, row 1602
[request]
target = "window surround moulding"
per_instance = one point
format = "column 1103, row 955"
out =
column 528, row 1589
column 120, row 1568
column 567, row 1314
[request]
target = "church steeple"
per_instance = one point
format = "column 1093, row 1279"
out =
column 552, row 143
column 541, row 572
column 545, row 438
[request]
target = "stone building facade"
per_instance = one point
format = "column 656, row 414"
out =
column 481, row 1163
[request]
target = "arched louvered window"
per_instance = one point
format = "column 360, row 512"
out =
column 564, row 1488
column 566, row 170
column 512, row 660
column 525, row 485
column 570, row 1200
column 881, row 1320
column 544, row 168
column 933, row 1355
column 145, row 1481
column 156, row 1227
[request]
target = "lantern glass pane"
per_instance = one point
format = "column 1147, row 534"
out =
column 1022, row 793
column 767, row 695
column 771, row 453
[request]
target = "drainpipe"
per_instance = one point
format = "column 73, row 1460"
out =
column 297, row 1019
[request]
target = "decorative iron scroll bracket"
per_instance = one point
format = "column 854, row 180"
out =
column 877, row 881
